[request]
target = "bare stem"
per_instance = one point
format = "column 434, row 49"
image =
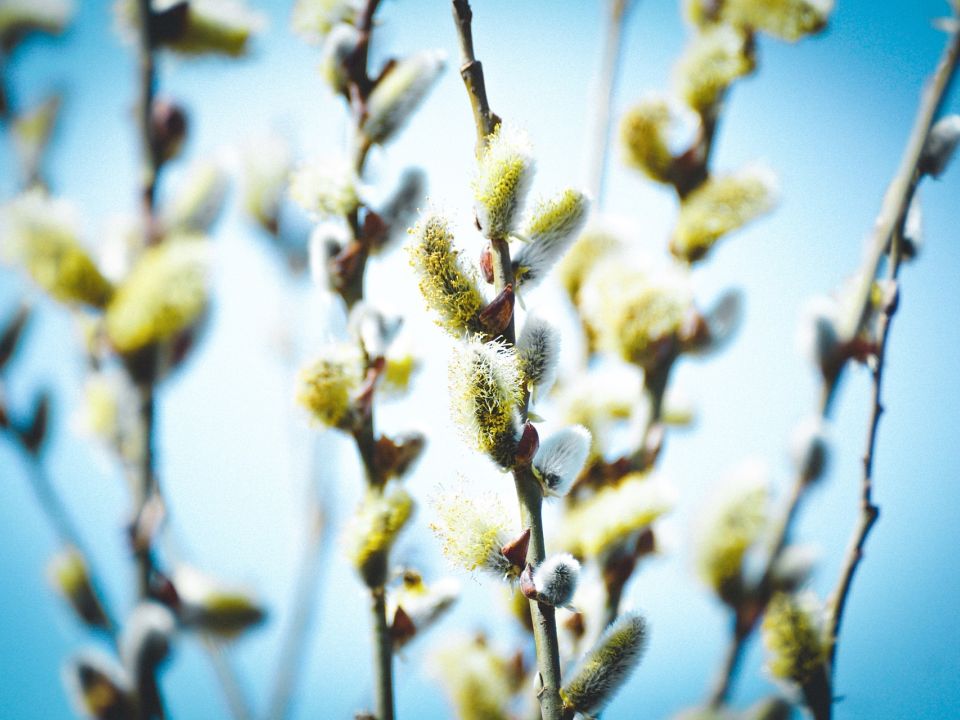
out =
column 382, row 655
column 529, row 494
column 603, row 100
column 147, row 77
column 888, row 224
column 888, row 235
column 237, row 701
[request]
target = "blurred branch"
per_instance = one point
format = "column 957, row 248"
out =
column 227, row 677
column 890, row 220
column 888, row 234
column 617, row 12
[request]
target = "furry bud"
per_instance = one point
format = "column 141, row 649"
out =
column 399, row 93
column 504, row 173
column 940, row 146
column 555, row 579
column 549, row 232
column 607, row 666
column 560, row 459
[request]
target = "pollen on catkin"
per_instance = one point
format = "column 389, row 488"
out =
column 504, row 172
column 644, row 132
column 399, row 92
column 473, row 531
column 484, row 393
column 615, row 514
column 719, row 206
column 373, row 530
column 549, row 232
column 607, row 666
column 732, row 527
column 711, row 62
column 451, row 291
column 164, row 294
column 788, row 20
column 538, row 354
column 794, row 636
column 327, row 385
column 38, row 232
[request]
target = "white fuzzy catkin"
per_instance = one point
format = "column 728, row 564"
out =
column 504, row 172
column 560, row 459
column 555, row 579
column 550, row 231
column 941, row 145
column 397, row 95
column 607, row 666
column 538, row 352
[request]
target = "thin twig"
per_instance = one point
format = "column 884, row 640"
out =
column 603, row 100
column 529, row 494
column 233, row 692
column 891, row 218
column 888, row 235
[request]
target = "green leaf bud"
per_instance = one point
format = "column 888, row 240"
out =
column 69, row 575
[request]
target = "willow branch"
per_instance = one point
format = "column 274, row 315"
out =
column 896, row 201
column 603, row 99
column 892, row 213
column 887, row 234
column 529, row 493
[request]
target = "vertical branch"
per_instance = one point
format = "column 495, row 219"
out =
column 883, row 240
column 382, row 655
column 147, row 81
column 603, row 99
column 529, row 494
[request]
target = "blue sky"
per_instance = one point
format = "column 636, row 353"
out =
column 830, row 115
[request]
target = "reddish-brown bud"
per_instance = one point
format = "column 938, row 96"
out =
column 496, row 316
column 168, row 127
column 486, row 264
column 528, row 445
column 515, row 551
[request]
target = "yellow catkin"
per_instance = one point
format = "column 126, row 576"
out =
column 719, row 206
column 472, row 531
column 594, row 244
column 373, row 530
column 505, row 170
column 728, row 534
column 788, row 20
column 710, row 63
column 39, row 234
column 449, row 290
column 644, row 132
column 164, row 294
column 478, row 681
column 327, row 385
column 794, row 637
column 614, row 515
